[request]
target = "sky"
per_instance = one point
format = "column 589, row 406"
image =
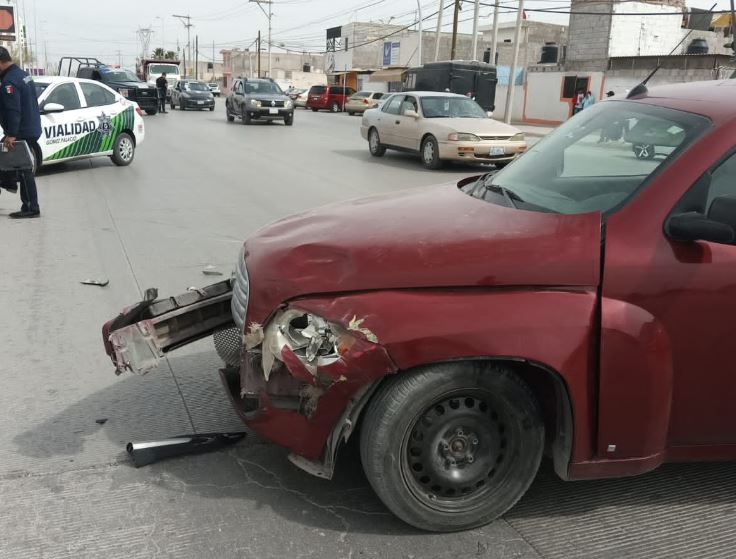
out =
column 107, row 29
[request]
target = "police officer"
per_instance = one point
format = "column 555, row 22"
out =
column 21, row 120
column 162, row 85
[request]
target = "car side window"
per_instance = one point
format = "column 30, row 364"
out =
column 97, row 96
column 409, row 104
column 722, row 180
column 393, row 105
column 65, row 94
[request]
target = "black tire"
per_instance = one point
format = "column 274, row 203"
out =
column 430, row 153
column 375, row 146
column 212, row 108
column 644, row 151
column 37, row 159
column 182, row 107
column 123, row 150
column 230, row 118
column 314, row 110
column 151, row 111
column 351, row 113
column 289, row 120
column 501, row 164
column 452, row 446
column 173, row 107
column 335, row 107
column 245, row 116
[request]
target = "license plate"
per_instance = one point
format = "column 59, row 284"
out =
column 273, row 111
column 498, row 151
column 200, row 102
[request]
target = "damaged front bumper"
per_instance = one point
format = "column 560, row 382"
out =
column 302, row 380
column 139, row 337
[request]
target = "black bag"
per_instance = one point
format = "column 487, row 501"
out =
column 19, row 159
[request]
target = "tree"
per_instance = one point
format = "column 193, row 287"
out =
column 171, row 55
column 159, row 53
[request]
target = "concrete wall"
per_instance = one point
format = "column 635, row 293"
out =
column 588, row 35
column 644, row 35
column 534, row 35
column 621, row 81
column 543, row 101
column 517, row 111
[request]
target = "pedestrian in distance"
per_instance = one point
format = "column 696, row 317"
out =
column 21, row 120
column 162, row 86
column 588, row 100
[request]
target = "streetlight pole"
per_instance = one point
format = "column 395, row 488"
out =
column 475, row 29
column 188, row 25
column 514, row 62
column 494, row 36
column 439, row 31
column 269, row 15
column 454, row 29
column 419, row 7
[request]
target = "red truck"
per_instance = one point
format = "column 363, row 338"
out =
column 575, row 304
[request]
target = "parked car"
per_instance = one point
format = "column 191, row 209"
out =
column 192, row 94
column 214, row 88
column 440, row 127
column 301, row 100
column 81, row 119
column 295, row 92
column 258, row 99
column 328, row 97
column 362, row 101
column 577, row 302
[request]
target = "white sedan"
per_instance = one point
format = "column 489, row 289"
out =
column 440, row 127
column 84, row 118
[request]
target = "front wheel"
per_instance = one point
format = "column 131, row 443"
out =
column 289, row 120
column 314, row 110
column 335, row 108
column 151, row 111
column 454, row 446
column 173, row 106
column 123, row 150
column 431, row 153
column 246, row 117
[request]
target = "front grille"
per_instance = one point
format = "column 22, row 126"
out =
column 266, row 104
column 241, row 290
column 497, row 138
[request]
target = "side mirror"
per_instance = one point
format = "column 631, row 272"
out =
column 411, row 113
column 694, row 226
column 52, row 108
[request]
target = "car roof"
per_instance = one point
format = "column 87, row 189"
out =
column 429, row 94
column 715, row 99
column 57, row 79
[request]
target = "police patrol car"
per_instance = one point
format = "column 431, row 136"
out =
column 84, row 118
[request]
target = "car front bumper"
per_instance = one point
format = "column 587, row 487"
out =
column 265, row 113
column 195, row 103
column 481, row 152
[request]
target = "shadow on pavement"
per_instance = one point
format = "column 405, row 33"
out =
column 260, row 475
column 404, row 160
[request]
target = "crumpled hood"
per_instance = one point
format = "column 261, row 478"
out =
column 420, row 238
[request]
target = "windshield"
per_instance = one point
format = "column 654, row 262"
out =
column 451, row 107
column 158, row 69
column 120, row 76
column 263, row 87
column 197, row 86
column 597, row 160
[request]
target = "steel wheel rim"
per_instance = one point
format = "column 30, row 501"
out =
column 457, row 452
column 428, row 152
column 374, row 140
column 126, row 149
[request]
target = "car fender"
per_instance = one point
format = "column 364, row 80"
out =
column 419, row 327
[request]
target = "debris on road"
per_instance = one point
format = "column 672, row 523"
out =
column 149, row 452
column 211, row 270
column 98, row 282
column 101, row 421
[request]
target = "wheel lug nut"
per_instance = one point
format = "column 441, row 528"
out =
column 459, row 432
column 475, row 441
column 471, row 459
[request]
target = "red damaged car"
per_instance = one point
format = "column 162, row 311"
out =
column 575, row 304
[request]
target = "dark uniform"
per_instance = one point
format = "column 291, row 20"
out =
column 162, row 85
column 21, row 119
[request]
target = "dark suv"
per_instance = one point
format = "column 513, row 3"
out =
column 124, row 82
column 258, row 99
column 329, row 97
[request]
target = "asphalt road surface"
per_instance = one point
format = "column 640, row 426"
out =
column 198, row 186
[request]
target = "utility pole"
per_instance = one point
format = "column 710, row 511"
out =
column 269, row 15
column 188, row 25
column 476, row 13
column 144, row 36
column 439, row 31
column 419, row 6
column 196, row 57
column 514, row 62
column 494, row 36
column 259, row 54
column 213, row 60
column 454, row 29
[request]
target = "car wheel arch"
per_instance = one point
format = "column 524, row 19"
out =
column 547, row 385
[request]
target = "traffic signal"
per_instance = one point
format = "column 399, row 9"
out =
column 7, row 20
